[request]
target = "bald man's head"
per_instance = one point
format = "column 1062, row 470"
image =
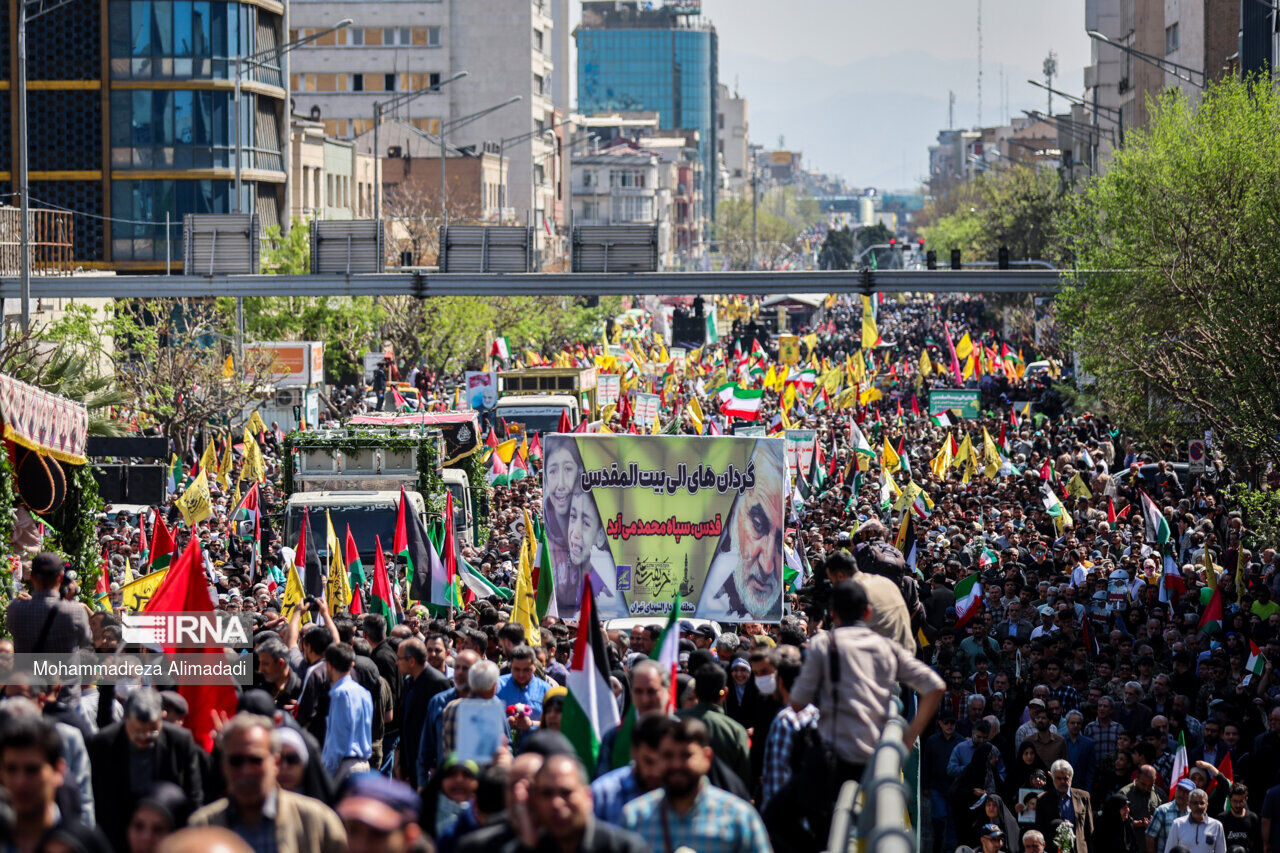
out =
column 204, row 839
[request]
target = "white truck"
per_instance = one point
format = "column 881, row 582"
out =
column 355, row 474
column 532, row 399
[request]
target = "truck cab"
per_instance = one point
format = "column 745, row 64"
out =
column 532, row 399
column 368, row 513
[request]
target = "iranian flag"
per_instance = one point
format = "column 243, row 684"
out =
column 1180, row 765
column 500, row 349
column 1211, row 620
column 968, row 599
column 1154, row 521
column 743, row 403
column 383, row 602
column 1171, row 582
column 667, row 651
column 987, row 558
column 589, row 710
column 1254, row 666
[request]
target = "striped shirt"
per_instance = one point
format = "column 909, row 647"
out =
column 719, row 822
column 777, row 748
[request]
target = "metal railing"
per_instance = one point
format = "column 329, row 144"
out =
column 51, row 247
column 880, row 812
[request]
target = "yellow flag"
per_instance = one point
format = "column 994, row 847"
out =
column 870, row 334
column 655, row 428
column 788, row 398
column 524, row 603
column 254, row 468
column 770, row 377
column 1076, row 487
column 870, row 395
column 832, row 381
column 506, row 450
column 965, row 347
column 256, row 424
column 134, row 596
column 292, row 595
column 968, row 368
column 786, row 421
column 907, row 495
column 194, row 504
column 992, row 454
column 695, row 355
column 940, row 368
column 926, row 366
column 338, row 588
column 859, row 371
column 209, row 459
column 224, row 467
column 695, row 414
column 811, row 341
column 967, row 459
column 892, row 462
column 228, row 367
column 127, row 578
column 941, row 462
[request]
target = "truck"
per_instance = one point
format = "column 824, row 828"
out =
column 532, row 399
column 355, row 473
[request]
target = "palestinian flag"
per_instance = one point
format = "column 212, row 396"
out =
column 1211, row 619
column 383, row 600
column 1255, row 665
column 743, row 403
column 863, row 451
column 940, row 419
column 518, row 471
column 1181, row 767
column 499, row 474
column 355, row 568
column 423, row 566
column 162, row 545
column 589, row 710
column 535, row 448
column 1157, row 528
column 1053, row 506
column 968, row 599
column 444, row 587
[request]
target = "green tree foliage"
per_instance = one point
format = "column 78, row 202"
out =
column 843, row 246
column 1178, row 336
column 1020, row 207
column 287, row 254
column 781, row 214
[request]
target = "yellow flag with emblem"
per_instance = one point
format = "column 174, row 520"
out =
column 209, row 459
column 926, row 366
column 524, row 604
column 992, row 454
column 292, row 595
column 892, row 462
column 134, row 596
column 224, row 467
column 788, row 398
column 832, row 381
column 506, row 450
column 695, row 414
column 338, row 588
column 256, row 424
column 127, row 578
column 964, row 347
column 254, row 468
column 195, row 504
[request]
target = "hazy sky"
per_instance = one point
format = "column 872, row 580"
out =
column 860, row 86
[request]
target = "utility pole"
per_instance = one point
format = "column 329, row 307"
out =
column 951, row 110
column 979, row 63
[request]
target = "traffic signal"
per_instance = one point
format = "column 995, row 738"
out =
column 1004, row 258
column 955, row 259
column 931, row 259
column 893, row 241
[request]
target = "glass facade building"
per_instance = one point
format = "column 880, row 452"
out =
column 646, row 60
column 147, row 131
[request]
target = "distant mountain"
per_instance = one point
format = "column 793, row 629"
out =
column 872, row 120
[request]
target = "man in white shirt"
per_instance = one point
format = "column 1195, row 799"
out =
column 1196, row 831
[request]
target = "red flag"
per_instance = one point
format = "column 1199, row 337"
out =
column 1124, row 513
column 915, row 407
column 383, row 599
column 400, row 539
column 1211, row 619
column 491, row 440
column 581, row 427
column 564, row 425
column 162, row 544
column 356, row 607
column 1046, row 471
column 186, row 589
column 899, row 408
column 450, row 555
column 1111, row 510
column 300, row 554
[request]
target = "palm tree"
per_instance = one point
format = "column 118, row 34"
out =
column 61, row 369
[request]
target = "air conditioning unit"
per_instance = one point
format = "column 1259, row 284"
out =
column 395, row 151
column 286, row 397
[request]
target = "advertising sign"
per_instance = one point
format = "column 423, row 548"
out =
column 608, row 386
column 481, row 388
column 799, row 450
column 647, row 517
column 948, row 399
column 288, row 364
column 788, row 349
column 646, row 408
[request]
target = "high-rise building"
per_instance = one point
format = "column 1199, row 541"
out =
column 131, row 118
column 733, row 140
column 507, row 48
column 636, row 56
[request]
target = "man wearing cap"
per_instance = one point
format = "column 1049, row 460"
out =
column 991, row 837
column 380, row 815
column 1164, row 816
column 703, row 636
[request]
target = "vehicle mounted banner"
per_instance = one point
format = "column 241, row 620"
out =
column 650, row 516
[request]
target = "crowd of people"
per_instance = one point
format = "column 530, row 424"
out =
column 1074, row 682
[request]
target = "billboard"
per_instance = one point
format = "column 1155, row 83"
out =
column 800, row 445
column 965, row 400
column 288, row 364
column 482, row 389
column 647, row 516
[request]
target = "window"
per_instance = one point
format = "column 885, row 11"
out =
column 388, row 82
column 397, row 36
column 430, row 125
column 628, row 178
column 588, row 178
column 630, row 208
column 1171, row 38
column 537, row 40
column 357, row 82
column 426, row 36
column 538, row 84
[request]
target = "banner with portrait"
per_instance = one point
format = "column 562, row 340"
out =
column 800, row 446
column 647, row 516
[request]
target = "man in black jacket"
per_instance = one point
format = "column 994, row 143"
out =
column 420, row 683
column 130, row 756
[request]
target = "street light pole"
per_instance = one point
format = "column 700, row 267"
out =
column 24, row 204
column 1165, row 65
column 381, row 107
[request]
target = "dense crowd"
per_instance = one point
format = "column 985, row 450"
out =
column 1075, row 682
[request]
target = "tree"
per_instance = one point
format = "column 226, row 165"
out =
column 781, row 214
column 171, row 361
column 1020, row 208
column 287, row 254
column 1177, row 335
